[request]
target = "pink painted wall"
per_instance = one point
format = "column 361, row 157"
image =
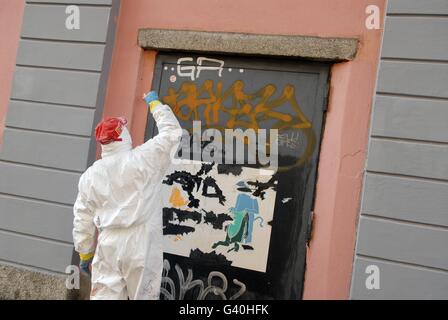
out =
column 11, row 13
column 343, row 152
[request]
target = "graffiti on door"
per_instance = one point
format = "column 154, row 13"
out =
column 231, row 107
column 216, row 285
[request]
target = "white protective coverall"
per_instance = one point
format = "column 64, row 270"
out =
column 120, row 196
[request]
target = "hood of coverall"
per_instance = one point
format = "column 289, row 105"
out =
column 117, row 146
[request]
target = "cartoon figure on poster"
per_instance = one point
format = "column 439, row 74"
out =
column 215, row 210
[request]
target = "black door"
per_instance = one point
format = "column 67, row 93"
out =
column 247, row 93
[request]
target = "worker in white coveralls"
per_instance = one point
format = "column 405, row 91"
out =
column 119, row 195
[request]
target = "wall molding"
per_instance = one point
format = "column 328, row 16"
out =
column 305, row 47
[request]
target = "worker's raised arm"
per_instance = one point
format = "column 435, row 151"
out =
column 154, row 156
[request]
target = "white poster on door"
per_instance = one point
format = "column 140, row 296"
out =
column 219, row 210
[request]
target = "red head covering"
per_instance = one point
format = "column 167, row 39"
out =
column 109, row 130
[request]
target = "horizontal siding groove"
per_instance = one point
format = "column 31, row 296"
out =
column 30, row 165
column 401, row 221
column 53, row 104
column 56, row 68
column 388, row 138
column 61, row 40
column 404, row 95
column 407, row 264
column 35, row 237
column 31, row 268
column 398, row 175
column 68, row 4
column 417, row 15
column 36, row 199
column 15, row 196
column 48, row 132
column 413, row 60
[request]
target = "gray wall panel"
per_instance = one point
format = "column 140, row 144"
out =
column 409, row 158
column 400, row 281
column 48, row 22
column 58, row 90
column 402, row 117
column 45, row 149
column 404, row 209
column 61, row 55
column 47, row 220
column 418, row 6
column 48, row 117
column 406, row 199
column 38, row 183
column 411, row 38
column 56, row 86
column 26, row 250
column 414, row 78
column 410, row 243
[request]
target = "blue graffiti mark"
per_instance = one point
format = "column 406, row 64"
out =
column 245, row 203
column 241, row 229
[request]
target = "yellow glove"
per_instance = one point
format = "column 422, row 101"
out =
column 86, row 257
column 154, row 104
column 152, row 100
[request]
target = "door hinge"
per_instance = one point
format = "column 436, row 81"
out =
column 309, row 231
